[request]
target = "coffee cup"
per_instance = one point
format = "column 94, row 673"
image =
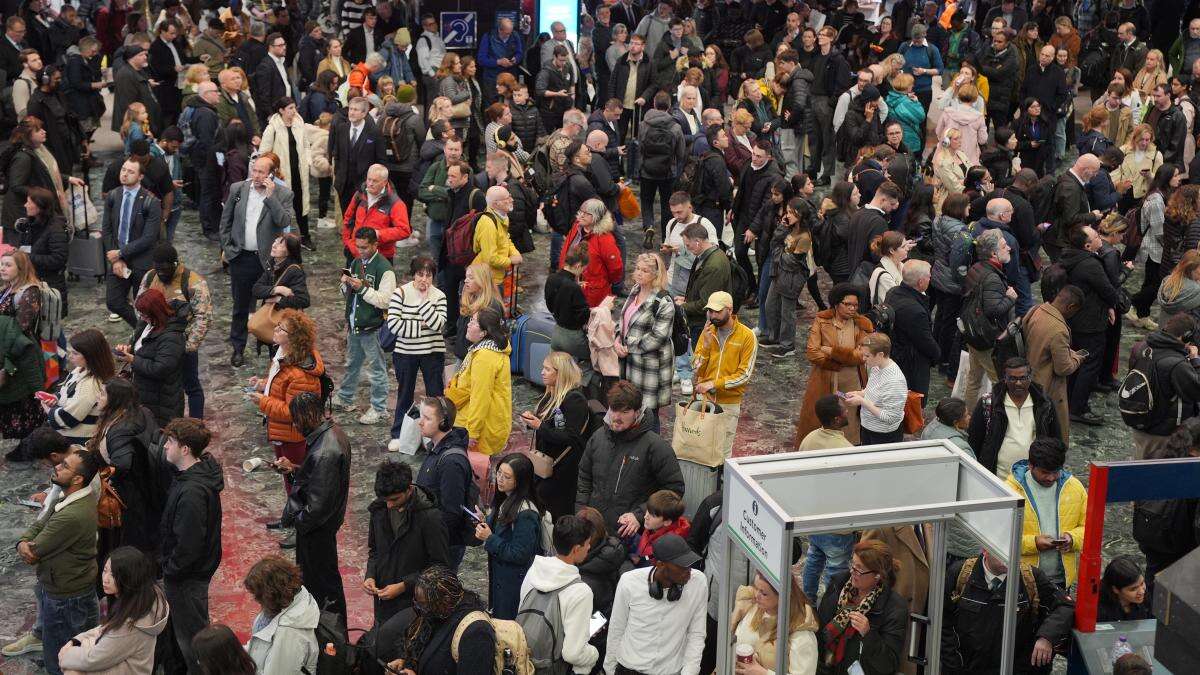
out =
column 744, row 652
column 253, row 464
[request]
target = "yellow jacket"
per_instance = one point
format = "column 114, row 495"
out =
column 727, row 366
column 1072, row 511
column 482, row 392
column 493, row 245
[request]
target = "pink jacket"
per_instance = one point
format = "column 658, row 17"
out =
column 970, row 123
column 602, row 335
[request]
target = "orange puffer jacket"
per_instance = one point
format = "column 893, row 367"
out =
column 289, row 381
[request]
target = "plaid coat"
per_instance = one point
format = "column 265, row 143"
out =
column 651, row 361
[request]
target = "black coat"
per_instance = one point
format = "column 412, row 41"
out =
column 562, row 435
column 206, row 128
column 989, row 423
column 78, row 77
column 158, row 366
column 1003, row 71
column 477, row 647
column 1048, row 86
column 10, row 60
column 601, row 176
column 879, row 653
column 973, row 623
column 267, row 86
column 448, row 477
column 309, row 53
column 48, row 249
column 575, row 188
column 356, row 43
column 1085, row 270
column 1068, row 200
column 640, row 458
column 997, row 306
column 190, row 535
column 914, row 348
column 565, row 300
column 129, row 440
column 400, row 554
column 753, row 186
column 350, row 164
column 62, row 127
column 857, row 132
column 861, row 228
column 527, row 124
column 24, row 170
column 619, row 80
column 1170, row 134
column 612, row 133
column 289, row 273
column 605, row 563
column 1028, row 133
column 133, row 86
column 322, row 483
column 714, row 185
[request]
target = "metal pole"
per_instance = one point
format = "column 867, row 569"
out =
column 725, row 599
column 783, row 614
column 1013, row 582
column 937, row 596
column 1088, row 594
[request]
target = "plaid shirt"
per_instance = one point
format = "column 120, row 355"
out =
column 650, row 364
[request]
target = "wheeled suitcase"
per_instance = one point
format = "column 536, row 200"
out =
column 535, row 328
column 699, row 481
column 85, row 258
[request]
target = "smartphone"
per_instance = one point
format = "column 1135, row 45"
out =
column 45, row 397
column 388, row 669
column 1084, row 353
column 1059, row 542
column 842, row 395
column 250, row 390
column 346, row 271
column 474, row 516
column 27, row 502
column 118, row 352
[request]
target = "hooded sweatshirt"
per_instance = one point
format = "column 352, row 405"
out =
column 970, row 122
column 124, row 650
column 575, row 602
column 191, row 523
column 286, row 643
column 1186, row 300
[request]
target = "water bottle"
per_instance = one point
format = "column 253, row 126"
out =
column 1121, row 648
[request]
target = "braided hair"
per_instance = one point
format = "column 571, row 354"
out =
column 443, row 593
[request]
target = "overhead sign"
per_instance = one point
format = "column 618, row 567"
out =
column 753, row 523
column 458, row 29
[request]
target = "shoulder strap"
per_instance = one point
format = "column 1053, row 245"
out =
column 462, row 627
column 964, row 575
column 1031, row 588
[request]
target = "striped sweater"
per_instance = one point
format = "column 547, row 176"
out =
column 888, row 390
column 78, row 407
column 417, row 323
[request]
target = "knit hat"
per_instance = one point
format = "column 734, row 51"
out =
column 406, row 93
column 869, row 93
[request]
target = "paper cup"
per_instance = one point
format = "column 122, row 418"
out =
column 252, row 464
column 744, row 652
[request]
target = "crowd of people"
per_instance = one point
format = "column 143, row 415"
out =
column 929, row 162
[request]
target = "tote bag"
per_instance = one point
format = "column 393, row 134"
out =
column 700, row 432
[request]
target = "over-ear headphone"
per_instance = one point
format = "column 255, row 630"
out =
column 674, row 592
column 446, row 413
column 500, row 143
column 44, row 75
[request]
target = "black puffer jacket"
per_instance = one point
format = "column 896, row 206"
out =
column 989, row 422
column 1170, row 134
column 796, row 108
column 997, row 306
column 565, row 300
column 290, row 274
column 602, row 569
column 857, row 132
column 157, row 366
column 753, row 190
column 191, row 523
column 572, row 188
column 1085, row 270
column 399, row 554
column 527, row 124
column 620, row 470
column 128, row 440
column 48, row 250
column 322, row 483
column 24, row 170
column 448, row 476
column 879, row 652
column 914, row 348
column 714, row 187
column 1003, row 71
column 951, row 254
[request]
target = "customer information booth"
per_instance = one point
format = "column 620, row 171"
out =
column 771, row 500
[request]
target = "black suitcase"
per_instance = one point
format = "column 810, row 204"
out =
column 85, row 258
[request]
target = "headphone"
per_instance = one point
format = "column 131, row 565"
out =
column 503, row 145
column 673, row 593
column 44, row 75
column 446, row 412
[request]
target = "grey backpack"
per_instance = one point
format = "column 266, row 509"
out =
column 540, row 617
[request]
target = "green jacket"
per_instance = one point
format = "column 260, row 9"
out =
column 21, row 359
column 434, row 193
column 1176, row 53
column 710, row 273
column 226, row 110
column 363, row 315
column 65, row 544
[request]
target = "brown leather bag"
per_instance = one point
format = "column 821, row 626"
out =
column 914, row 413
column 110, row 506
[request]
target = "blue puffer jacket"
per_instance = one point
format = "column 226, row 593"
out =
column 511, row 550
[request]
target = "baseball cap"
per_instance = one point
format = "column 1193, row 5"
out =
column 671, row 548
column 719, row 300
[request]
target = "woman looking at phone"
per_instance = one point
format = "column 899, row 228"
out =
column 1142, row 159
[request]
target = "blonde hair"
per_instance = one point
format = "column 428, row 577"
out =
column 26, row 275
column 435, row 107
column 1173, row 284
column 742, row 117
column 448, row 62
column 324, row 120
column 197, row 73
column 569, row 378
column 470, row 303
column 800, row 612
column 660, row 276
column 245, row 78
column 133, row 115
column 903, row 83
column 968, row 93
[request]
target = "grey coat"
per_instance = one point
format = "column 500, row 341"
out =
column 651, row 361
column 272, row 221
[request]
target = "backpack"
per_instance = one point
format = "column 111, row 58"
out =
column 8, row 109
column 1134, row 234
column 658, row 152
column 327, row 391
column 8, row 151
column 881, row 314
column 512, row 650
column 50, row 317
column 540, row 170
column 1141, row 391
column 558, row 212
column 689, row 178
column 679, row 330
column 1158, row 523
column 740, row 282
column 400, row 143
column 977, row 329
column 335, row 654
column 185, row 127
column 471, row 501
column 822, row 242
column 1027, row 580
column 540, row 616
column 459, row 239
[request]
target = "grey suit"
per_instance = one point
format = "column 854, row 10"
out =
column 245, row 266
column 145, row 226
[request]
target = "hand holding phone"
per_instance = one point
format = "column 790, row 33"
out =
column 1083, row 353
column 473, row 515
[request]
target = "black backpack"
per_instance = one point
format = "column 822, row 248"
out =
column 658, row 152
column 1143, row 399
column 472, row 499
column 740, row 282
column 977, row 329
column 881, row 314
column 8, row 150
column 679, row 329
column 689, row 178
column 822, row 241
column 335, row 653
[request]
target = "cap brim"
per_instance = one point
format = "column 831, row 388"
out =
column 713, row 308
column 687, row 559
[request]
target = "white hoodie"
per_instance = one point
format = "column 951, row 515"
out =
column 575, row 603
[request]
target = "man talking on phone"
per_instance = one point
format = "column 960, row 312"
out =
column 1055, row 507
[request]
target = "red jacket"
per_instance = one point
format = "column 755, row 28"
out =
column 388, row 217
column 645, row 543
column 605, row 267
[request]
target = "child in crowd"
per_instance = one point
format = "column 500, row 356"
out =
column 664, row 515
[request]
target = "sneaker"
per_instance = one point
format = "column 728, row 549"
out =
column 757, row 333
column 783, row 351
column 648, row 238
column 372, row 416
column 26, row 644
column 289, row 542
column 307, row 244
column 343, row 406
column 1132, row 317
column 686, row 387
column 767, row 342
column 412, row 240
column 1148, row 324
column 394, row 445
column 326, row 224
column 113, row 318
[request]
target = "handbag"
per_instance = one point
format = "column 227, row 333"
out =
column 701, row 432
column 543, row 464
column 914, row 413
column 461, row 110
column 109, row 506
column 262, row 322
column 410, row 433
column 628, row 203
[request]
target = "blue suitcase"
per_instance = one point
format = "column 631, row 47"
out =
column 530, row 343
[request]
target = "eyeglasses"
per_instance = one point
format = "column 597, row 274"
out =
column 281, row 329
column 859, row 572
column 848, row 304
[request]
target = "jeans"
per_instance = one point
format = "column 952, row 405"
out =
column 764, row 286
column 434, row 231
column 116, row 295
column 789, row 150
column 63, row 619
column 820, row 139
column 39, row 595
column 191, row 385
column 362, row 347
column 780, row 313
column 456, row 556
column 556, row 245
column 244, row 270
column 188, row 600
column 406, row 367
column 1060, row 143
column 828, row 554
column 663, row 188
column 173, row 219
column 683, row 362
column 317, row 557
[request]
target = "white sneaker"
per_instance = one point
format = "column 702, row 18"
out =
column 755, row 331
column 394, row 445
column 372, row 416
column 326, row 224
column 341, row 406
column 413, row 240
column 1148, row 324
column 685, row 387
column 113, row 318
column 26, row 644
column 1132, row 317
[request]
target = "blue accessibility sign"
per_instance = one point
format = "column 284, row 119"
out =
column 458, row 29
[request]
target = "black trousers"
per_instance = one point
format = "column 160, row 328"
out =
column 116, row 294
column 189, row 614
column 209, row 204
column 324, row 188
column 1112, row 351
column 1081, row 381
column 317, row 557
column 346, row 193
column 663, row 188
column 868, row 437
column 1149, row 290
column 244, row 270
column 741, row 251
column 945, row 329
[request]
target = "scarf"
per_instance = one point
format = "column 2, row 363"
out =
column 839, row 631
column 482, row 344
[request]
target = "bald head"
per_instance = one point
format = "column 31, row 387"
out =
column 597, row 140
column 498, row 199
column 1000, row 210
column 1086, row 167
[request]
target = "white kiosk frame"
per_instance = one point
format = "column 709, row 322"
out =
column 770, row 500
